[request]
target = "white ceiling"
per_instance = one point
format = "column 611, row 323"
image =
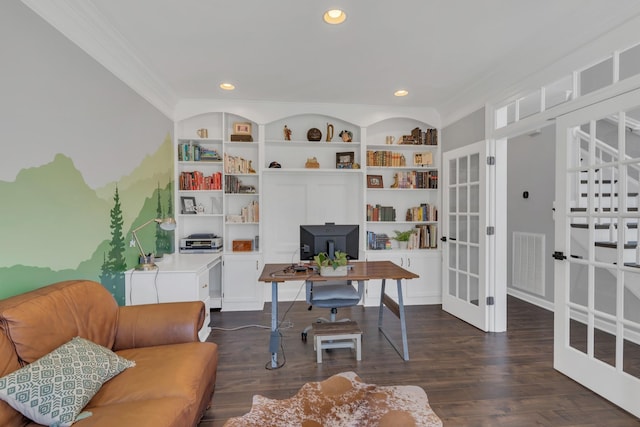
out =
column 450, row 55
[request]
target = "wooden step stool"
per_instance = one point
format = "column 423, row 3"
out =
column 337, row 335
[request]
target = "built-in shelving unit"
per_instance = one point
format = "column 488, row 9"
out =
column 317, row 181
column 224, row 190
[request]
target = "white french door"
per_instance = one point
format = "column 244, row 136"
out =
column 468, row 238
column 597, row 267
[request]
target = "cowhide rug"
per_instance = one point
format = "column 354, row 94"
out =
column 340, row 401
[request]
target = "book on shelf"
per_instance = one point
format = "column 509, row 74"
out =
column 424, row 212
column 248, row 214
column 196, row 180
column 385, row 158
column 191, row 151
column 378, row 241
column 416, row 179
column 380, row 213
column 237, row 164
column 427, row 236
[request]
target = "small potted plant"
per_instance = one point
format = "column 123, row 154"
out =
column 332, row 267
column 402, row 237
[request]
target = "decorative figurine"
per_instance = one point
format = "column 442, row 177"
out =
column 314, row 134
column 395, row 181
column 251, row 169
column 346, row 135
column 312, row 163
column 329, row 132
column 287, row 133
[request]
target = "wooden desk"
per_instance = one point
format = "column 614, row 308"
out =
column 361, row 271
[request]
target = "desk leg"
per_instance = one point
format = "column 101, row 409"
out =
column 403, row 323
column 398, row 310
column 275, row 333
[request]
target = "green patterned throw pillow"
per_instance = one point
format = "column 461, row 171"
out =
column 54, row 389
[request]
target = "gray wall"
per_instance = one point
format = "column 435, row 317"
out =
column 465, row 131
column 531, row 167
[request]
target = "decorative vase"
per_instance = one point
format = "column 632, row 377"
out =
column 314, row 134
column 329, row 271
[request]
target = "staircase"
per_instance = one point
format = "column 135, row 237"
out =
column 613, row 203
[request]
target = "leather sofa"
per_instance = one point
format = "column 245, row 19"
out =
column 174, row 376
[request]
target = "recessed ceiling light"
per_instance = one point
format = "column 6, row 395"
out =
column 227, row 86
column 334, row 16
column 401, row 92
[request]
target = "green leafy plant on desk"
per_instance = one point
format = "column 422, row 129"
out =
column 323, row 260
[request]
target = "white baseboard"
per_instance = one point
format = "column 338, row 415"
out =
column 532, row 299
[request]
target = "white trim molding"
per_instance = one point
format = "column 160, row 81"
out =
column 82, row 23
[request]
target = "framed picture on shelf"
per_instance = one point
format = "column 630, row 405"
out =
column 423, row 159
column 242, row 128
column 345, row 160
column 374, row 181
column 188, row 205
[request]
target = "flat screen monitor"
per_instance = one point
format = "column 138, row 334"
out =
column 329, row 238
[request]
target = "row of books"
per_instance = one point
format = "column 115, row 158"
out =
column 248, row 214
column 380, row 213
column 385, row 158
column 193, row 152
column 416, row 179
column 424, row 212
column 237, row 164
column 425, row 238
column 196, row 180
column 378, row 241
column 420, row 137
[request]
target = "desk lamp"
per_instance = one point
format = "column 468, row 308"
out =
column 146, row 261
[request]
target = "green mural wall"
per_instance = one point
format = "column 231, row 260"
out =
column 53, row 218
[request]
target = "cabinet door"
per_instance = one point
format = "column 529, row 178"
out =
column 427, row 288
column 240, row 287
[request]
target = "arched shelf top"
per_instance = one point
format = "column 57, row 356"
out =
column 263, row 112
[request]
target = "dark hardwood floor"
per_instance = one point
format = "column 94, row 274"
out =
column 471, row 378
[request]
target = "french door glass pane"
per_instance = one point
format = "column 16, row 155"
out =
column 474, row 290
column 462, row 173
column 631, row 351
column 578, row 330
column 453, row 227
column 453, row 200
column 604, row 340
column 462, row 230
column 474, row 229
column 453, row 172
column 452, row 283
column 605, row 290
column 474, row 170
column 578, row 284
column 474, row 198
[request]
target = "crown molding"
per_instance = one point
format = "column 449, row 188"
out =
column 82, row 23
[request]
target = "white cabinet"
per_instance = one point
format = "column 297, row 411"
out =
column 192, row 277
column 241, row 290
column 424, row 290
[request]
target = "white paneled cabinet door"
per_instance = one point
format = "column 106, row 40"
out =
column 597, row 256
column 241, row 290
column 465, row 243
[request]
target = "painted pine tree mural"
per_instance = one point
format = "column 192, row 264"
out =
column 114, row 265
